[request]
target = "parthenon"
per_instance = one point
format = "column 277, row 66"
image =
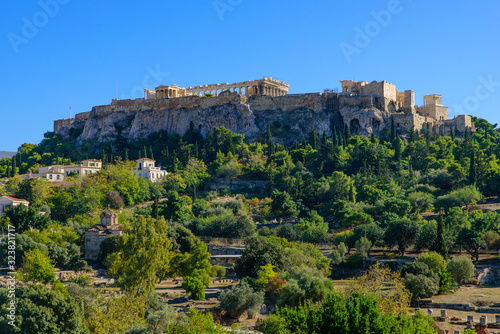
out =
column 265, row 86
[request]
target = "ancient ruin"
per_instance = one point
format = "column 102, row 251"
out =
column 265, row 86
column 247, row 107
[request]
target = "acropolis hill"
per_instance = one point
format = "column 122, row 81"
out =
column 247, row 107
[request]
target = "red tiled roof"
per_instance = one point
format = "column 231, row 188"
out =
column 145, row 159
column 15, row 199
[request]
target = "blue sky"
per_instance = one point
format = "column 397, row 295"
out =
column 60, row 53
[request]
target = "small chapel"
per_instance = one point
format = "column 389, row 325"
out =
column 97, row 233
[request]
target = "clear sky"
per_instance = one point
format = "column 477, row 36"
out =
column 60, row 53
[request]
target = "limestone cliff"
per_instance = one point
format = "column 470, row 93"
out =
column 291, row 116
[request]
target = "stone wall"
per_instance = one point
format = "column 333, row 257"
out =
column 238, row 186
column 61, row 123
column 291, row 116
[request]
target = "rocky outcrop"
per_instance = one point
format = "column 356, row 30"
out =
column 291, row 117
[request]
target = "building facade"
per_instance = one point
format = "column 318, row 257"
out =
column 57, row 173
column 97, row 233
column 7, row 202
column 146, row 169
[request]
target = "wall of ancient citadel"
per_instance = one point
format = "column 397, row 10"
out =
column 186, row 102
column 60, row 123
column 313, row 101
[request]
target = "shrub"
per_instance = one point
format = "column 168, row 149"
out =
column 241, row 298
column 421, row 286
column 461, row 268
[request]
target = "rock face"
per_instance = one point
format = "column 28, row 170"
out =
column 291, row 117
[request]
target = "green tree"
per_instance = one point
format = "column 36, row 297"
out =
column 283, row 205
column 196, row 283
column 174, row 208
column 471, row 241
column 41, row 310
column 441, row 245
column 195, row 174
column 37, row 267
column 421, row 286
column 401, row 233
column 241, row 298
column 355, row 313
column 461, row 268
column 145, row 254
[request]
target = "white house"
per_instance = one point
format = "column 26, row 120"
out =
column 7, row 202
column 57, row 173
column 146, row 168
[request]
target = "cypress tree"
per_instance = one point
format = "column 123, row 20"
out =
column 7, row 172
column 196, row 149
column 472, row 168
column 412, row 134
column 151, row 152
column 126, row 155
column 452, row 133
column 269, row 139
column 334, row 136
column 145, row 152
column 352, row 194
column 13, row 170
column 324, row 139
column 347, row 133
column 440, row 245
column 393, row 130
column 397, row 150
column 154, row 208
column 372, row 138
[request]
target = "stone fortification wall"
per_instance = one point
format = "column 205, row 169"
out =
column 83, row 115
column 313, row 101
column 61, row 123
column 186, row 102
column 291, row 116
